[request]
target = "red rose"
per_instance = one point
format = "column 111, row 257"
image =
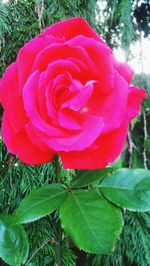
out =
column 67, row 94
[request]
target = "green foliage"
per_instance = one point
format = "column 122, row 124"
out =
column 127, row 31
column 58, row 9
column 143, row 80
column 45, row 231
column 141, row 13
column 4, row 23
column 118, row 24
column 84, row 178
column 128, row 188
column 23, row 25
column 85, row 216
column 133, row 245
column 41, row 202
column 123, row 20
column 140, row 130
column 17, row 180
column 14, row 245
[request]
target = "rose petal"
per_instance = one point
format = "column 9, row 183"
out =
column 61, row 66
column 58, row 51
column 21, row 145
column 91, row 129
column 109, row 147
column 101, row 55
column 136, row 96
column 67, row 121
column 35, row 137
column 70, row 28
column 10, row 99
column 112, row 106
column 30, row 103
column 57, row 92
column 79, row 100
column 27, row 55
column 124, row 70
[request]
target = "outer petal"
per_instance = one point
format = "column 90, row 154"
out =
column 10, row 99
column 21, row 145
column 124, row 70
column 70, row 28
column 27, row 55
column 136, row 96
column 106, row 150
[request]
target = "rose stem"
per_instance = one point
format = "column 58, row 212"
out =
column 59, row 229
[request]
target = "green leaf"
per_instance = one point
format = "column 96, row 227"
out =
column 14, row 245
column 117, row 164
column 41, row 202
column 91, row 221
column 128, row 188
column 86, row 177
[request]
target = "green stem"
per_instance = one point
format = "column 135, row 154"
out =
column 57, row 169
column 58, row 245
column 59, row 229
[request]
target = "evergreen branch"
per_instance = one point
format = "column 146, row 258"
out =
column 50, row 239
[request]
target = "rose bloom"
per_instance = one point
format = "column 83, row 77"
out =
column 66, row 94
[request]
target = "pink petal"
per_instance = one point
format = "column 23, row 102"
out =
column 58, row 51
column 34, row 137
column 124, row 70
column 41, row 97
column 21, row 145
column 107, row 149
column 101, row 56
column 61, row 66
column 27, row 55
column 70, row 28
column 135, row 98
column 67, row 121
column 91, row 129
column 112, row 106
column 56, row 92
column 30, row 103
column 79, row 100
column 10, row 99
